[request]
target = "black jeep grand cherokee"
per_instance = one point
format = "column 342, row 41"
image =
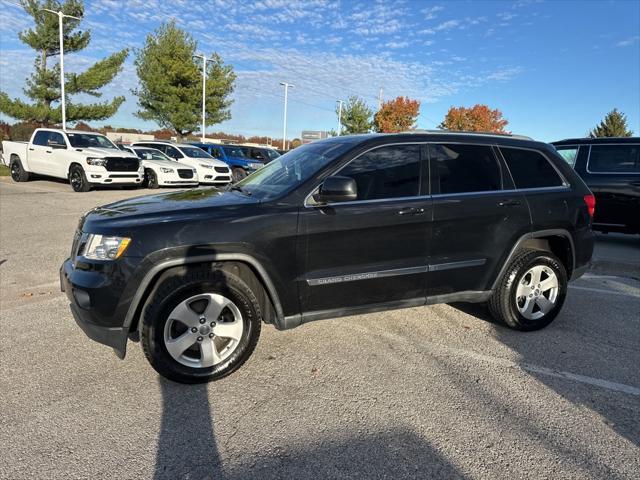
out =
column 342, row 226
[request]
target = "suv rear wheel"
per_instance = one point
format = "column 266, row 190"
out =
column 201, row 326
column 531, row 292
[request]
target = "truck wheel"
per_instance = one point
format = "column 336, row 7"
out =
column 200, row 326
column 78, row 179
column 18, row 174
column 150, row 178
column 531, row 292
column 238, row 174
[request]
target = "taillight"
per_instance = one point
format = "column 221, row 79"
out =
column 590, row 200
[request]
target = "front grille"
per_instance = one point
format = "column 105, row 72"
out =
column 185, row 173
column 222, row 169
column 122, row 164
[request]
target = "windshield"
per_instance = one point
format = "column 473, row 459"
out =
column 288, row 171
column 235, row 151
column 88, row 140
column 195, row 152
column 151, row 154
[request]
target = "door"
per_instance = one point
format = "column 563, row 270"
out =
column 58, row 159
column 613, row 175
column 477, row 218
column 39, row 153
column 373, row 250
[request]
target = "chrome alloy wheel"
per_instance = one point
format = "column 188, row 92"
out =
column 537, row 292
column 203, row 330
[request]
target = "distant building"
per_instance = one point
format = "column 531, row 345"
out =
column 117, row 137
column 309, row 136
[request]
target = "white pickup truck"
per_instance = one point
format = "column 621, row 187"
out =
column 84, row 158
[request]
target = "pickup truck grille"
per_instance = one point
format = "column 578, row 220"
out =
column 120, row 164
column 222, row 169
column 185, row 173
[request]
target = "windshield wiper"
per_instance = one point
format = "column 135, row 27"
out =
column 238, row 188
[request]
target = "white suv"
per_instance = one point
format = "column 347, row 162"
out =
column 210, row 171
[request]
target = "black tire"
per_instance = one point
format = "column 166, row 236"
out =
column 237, row 174
column 503, row 303
column 150, row 179
column 18, row 173
column 78, row 179
column 175, row 289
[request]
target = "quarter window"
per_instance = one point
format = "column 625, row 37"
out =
column 614, row 159
column 569, row 154
column 464, row 168
column 530, row 169
column 386, row 172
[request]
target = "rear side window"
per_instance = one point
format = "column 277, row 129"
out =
column 614, row 159
column 386, row 172
column 41, row 138
column 464, row 168
column 569, row 154
column 530, row 169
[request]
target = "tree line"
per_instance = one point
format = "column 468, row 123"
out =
column 169, row 90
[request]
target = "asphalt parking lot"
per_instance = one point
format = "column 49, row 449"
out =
column 431, row 392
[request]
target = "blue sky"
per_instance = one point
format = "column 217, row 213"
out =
column 554, row 68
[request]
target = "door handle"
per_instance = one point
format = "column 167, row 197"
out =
column 509, row 203
column 411, row 211
column 48, row 151
column 32, row 149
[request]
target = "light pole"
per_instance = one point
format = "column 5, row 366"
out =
column 204, row 90
column 287, row 86
column 61, row 17
column 339, row 102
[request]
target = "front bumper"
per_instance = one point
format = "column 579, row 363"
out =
column 115, row 178
column 81, row 295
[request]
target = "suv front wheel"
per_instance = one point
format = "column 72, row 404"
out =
column 531, row 292
column 201, row 326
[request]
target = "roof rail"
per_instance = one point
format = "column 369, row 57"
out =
column 462, row 132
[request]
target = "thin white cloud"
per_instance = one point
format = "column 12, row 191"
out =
column 628, row 41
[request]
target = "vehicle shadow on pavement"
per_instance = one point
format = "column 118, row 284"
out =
column 186, row 441
column 397, row 454
column 547, row 348
column 188, row 449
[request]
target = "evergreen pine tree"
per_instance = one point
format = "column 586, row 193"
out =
column 43, row 86
column 613, row 125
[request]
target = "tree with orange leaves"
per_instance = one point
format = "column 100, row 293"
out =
column 397, row 115
column 479, row 118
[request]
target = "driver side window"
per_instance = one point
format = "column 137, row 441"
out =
column 386, row 172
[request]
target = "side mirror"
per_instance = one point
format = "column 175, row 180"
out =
column 337, row 189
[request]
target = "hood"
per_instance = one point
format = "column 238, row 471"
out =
column 105, row 152
column 163, row 163
column 185, row 205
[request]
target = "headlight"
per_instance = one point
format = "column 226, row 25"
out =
column 100, row 247
column 96, row 162
column 166, row 170
column 204, row 165
column 255, row 166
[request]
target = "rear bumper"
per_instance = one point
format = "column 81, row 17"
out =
column 80, row 298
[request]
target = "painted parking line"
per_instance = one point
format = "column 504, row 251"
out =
column 603, row 290
column 437, row 348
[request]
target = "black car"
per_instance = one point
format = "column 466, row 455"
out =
column 342, row 226
column 611, row 169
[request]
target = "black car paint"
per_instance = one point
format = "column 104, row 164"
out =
column 617, row 194
column 325, row 261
